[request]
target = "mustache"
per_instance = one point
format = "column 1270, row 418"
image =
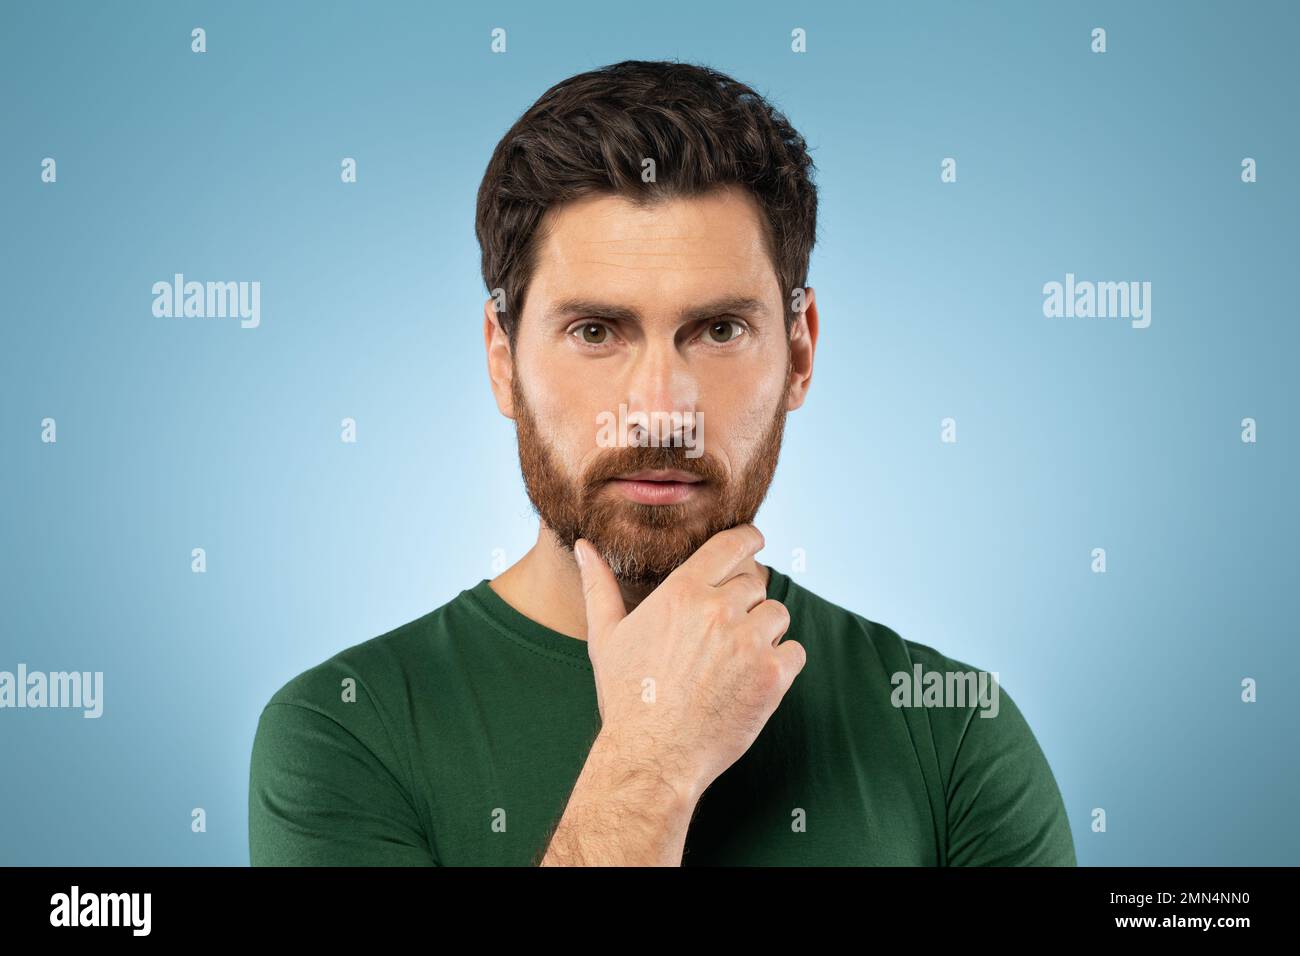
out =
column 619, row 461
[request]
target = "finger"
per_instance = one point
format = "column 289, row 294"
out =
column 600, row 593
column 745, row 589
column 770, row 620
column 717, row 559
column 793, row 657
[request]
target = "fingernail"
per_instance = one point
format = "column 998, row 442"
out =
column 577, row 552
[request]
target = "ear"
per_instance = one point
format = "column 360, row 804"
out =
column 803, row 343
column 500, row 363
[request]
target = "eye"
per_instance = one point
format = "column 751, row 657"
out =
column 724, row 330
column 592, row 333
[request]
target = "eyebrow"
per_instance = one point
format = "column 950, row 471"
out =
column 594, row 309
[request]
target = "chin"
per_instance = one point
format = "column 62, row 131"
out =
column 640, row 555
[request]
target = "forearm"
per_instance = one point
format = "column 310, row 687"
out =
column 625, row 810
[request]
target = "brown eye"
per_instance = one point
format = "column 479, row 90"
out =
column 593, row 333
column 724, row 331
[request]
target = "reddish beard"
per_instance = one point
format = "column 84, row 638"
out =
column 641, row 543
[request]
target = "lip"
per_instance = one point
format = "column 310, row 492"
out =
column 657, row 487
column 665, row 475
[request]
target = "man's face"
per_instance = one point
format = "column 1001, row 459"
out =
column 649, row 379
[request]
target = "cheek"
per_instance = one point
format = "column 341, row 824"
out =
column 565, row 422
column 733, row 431
column 742, row 418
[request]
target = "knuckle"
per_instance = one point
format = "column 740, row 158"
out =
column 724, row 611
column 780, row 613
column 743, row 587
column 802, row 654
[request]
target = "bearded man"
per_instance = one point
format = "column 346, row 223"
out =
column 638, row 689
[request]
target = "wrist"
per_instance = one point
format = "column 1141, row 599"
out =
column 631, row 755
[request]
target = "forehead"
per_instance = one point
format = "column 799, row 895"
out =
column 678, row 248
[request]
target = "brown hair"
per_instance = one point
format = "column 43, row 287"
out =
column 589, row 134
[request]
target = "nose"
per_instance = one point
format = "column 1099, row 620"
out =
column 662, row 395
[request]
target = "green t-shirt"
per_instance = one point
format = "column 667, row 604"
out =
column 456, row 739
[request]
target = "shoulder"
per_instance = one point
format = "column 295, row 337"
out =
column 996, row 787
column 331, row 775
column 364, row 666
column 358, row 700
column 838, row 631
column 375, row 668
column 945, row 692
column 344, row 724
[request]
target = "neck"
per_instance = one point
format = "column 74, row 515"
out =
column 545, row 585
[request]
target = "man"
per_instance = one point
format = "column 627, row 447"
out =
column 638, row 689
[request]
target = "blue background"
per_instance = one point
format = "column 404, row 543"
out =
column 1072, row 433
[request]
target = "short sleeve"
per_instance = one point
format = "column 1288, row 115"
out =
column 1004, row 807
column 319, row 796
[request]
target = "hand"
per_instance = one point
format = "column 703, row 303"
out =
column 686, row 682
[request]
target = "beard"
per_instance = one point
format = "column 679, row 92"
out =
column 642, row 543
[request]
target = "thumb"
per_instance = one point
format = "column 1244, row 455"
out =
column 600, row 592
